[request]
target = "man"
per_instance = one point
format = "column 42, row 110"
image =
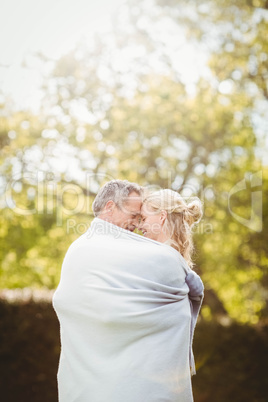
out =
column 119, row 202
column 124, row 311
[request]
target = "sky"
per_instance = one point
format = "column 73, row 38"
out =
column 54, row 27
column 51, row 27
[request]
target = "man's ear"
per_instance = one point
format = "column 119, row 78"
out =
column 163, row 216
column 109, row 207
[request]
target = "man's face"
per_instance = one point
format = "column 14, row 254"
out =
column 127, row 215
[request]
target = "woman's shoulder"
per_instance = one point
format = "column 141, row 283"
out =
column 176, row 256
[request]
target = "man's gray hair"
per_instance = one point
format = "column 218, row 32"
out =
column 116, row 191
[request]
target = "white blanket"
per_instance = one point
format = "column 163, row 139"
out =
column 126, row 319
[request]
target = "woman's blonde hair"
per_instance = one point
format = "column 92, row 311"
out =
column 181, row 216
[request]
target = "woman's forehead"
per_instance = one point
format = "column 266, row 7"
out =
column 147, row 209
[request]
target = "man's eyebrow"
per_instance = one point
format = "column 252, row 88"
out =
column 135, row 213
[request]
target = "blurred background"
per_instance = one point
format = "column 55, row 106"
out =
column 170, row 94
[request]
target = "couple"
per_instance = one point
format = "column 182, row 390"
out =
column 128, row 304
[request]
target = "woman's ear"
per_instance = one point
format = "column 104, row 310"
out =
column 163, row 216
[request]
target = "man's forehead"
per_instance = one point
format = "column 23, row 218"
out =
column 133, row 202
column 133, row 197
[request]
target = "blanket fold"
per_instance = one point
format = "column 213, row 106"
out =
column 127, row 318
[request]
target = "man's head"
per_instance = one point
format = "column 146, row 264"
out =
column 119, row 202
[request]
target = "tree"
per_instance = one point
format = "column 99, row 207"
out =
column 119, row 107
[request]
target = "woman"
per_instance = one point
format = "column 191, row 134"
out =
column 167, row 218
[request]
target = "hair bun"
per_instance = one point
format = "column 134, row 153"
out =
column 193, row 211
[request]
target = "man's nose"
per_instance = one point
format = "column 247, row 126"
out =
column 136, row 222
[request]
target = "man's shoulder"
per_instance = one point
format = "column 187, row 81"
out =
column 78, row 242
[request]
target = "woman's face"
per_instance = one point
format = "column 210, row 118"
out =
column 151, row 222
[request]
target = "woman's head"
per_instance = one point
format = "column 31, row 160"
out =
column 166, row 217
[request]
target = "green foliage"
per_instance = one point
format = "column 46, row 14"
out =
column 119, row 108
